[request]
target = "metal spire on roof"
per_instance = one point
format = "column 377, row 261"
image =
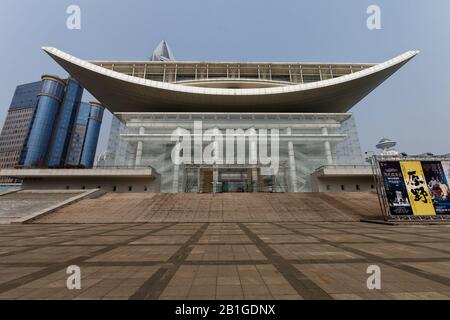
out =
column 163, row 53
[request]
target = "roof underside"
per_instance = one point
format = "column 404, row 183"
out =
column 128, row 87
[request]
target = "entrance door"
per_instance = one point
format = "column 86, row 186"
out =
column 206, row 181
column 234, row 180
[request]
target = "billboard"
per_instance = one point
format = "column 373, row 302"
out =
column 419, row 188
column 437, row 175
column 418, row 192
column 396, row 192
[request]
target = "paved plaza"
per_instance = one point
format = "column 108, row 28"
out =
column 237, row 260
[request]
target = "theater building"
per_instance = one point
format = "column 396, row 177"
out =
column 307, row 104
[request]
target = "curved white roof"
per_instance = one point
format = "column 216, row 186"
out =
column 124, row 93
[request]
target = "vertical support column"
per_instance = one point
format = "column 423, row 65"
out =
column 327, row 144
column 140, row 146
column 255, row 179
column 215, row 179
column 176, row 173
column 292, row 167
column 199, row 180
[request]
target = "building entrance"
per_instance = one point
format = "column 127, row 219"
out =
column 227, row 179
column 235, row 180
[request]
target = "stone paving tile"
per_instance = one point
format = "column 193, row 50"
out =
column 96, row 283
column 176, row 232
column 402, row 237
column 436, row 268
column 7, row 273
column 312, row 251
column 33, row 240
column 229, row 239
column 152, row 239
column 442, row 246
column 286, row 238
column 125, row 232
column 23, row 232
column 226, row 253
column 351, row 279
column 363, row 231
column 7, row 250
column 229, row 282
column 272, row 231
column 50, row 254
column 224, row 229
column 390, row 250
column 99, row 240
column 317, row 231
column 438, row 235
column 347, row 238
column 147, row 226
column 137, row 254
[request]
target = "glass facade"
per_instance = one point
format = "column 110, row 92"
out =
column 26, row 96
column 50, row 98
column 63, row 129
column 306, row 142
column 92, row 135
column 78, row 135
column 86, row 131
column 349, row 152
column 118, row 149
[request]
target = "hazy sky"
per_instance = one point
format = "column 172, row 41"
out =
column 412, row 107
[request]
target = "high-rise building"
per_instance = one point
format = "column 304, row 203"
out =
column 92, row 134
column 64, row 124
column 45, row 121
column 18, row 123
column 83, row 142
column 78, row 135
column 50, row 97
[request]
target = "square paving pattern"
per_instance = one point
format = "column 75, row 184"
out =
column 224, row 260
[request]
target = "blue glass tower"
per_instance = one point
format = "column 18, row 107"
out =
column 92, row 135
column 64, row 124
column 78, row 135
column 49, row 101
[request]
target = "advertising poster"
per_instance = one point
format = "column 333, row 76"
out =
column 395, row 187
column 418, row 191
column 438, row 183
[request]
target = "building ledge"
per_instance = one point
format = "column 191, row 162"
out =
column 79, row 173
column 344, row 170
